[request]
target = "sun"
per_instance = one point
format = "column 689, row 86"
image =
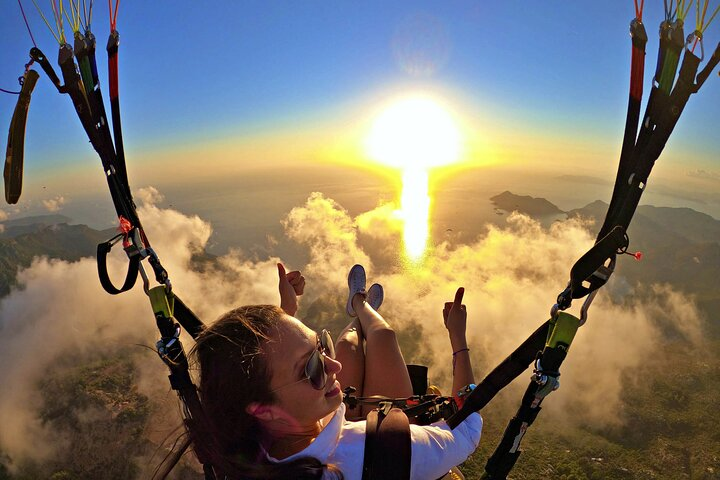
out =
column 414, row 135
column 414, row 132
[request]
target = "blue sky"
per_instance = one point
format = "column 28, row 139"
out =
column 193, row 74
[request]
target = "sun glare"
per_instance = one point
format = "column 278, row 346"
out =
column 414, row 134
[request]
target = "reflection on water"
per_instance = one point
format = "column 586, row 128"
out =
column 415, row 212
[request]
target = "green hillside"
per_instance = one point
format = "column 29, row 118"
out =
column 63, row 241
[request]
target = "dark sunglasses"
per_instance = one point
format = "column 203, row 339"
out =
column 315, row 366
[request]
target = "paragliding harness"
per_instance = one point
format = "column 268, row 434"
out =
column 547, row 347
column 80, row 82
column 388, row 451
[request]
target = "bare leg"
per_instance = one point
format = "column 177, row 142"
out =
column 349, row 351
column 385, row 370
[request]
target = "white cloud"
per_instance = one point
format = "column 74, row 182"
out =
column 54, row 204
column 511, row 275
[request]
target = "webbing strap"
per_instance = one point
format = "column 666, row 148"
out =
column 112, row 50
column 662, row 114
column 388, row 447
column 507, row 371
column 130, row 278
column 80, row 47
column 507, row 452
column 74, row 88
column 637, row 70
column 37, row 55
column 15, row 152
column 589, row 272
column 115, row 171
column 667, row 114
column 671, row 58
column 712, row 63
column 171, row 351
column 85, row 54
column 187, row 318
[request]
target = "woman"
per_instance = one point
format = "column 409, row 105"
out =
column 272, row 399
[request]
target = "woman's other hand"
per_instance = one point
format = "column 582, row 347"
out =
column 290, row 285
column 455, row 317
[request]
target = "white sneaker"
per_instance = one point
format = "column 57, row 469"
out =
column 375, row 296
column 356, row 284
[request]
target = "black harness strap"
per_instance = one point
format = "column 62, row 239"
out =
column 637, row 69
column 38, row 56
column 544, row 382
column 171, row 351
column 510, row 368
column 712, row 63
column 74, row 88
column 388, row 447
column 667, row 116
column 96, row 127
column 187, row 318
column 591, row 271
column 85, row 54
column 89, row 106
column 112, row 51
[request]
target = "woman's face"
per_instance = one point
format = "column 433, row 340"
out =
column 288, row 354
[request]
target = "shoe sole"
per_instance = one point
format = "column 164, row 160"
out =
column 375, row 296
column 355, row 285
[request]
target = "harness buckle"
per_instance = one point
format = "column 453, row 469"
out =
column 548, row 382
column 165, row 347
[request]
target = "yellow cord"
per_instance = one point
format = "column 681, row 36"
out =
column 701, row 25
column 58, row 10
column 74, row 21
column 712, row 17
column 46, row 22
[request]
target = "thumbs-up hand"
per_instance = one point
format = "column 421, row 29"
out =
column 455, row 317
column 290, row 285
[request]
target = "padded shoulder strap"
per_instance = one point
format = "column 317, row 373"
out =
column 387, row 446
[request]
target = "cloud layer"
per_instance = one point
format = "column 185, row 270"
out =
column 511, row 275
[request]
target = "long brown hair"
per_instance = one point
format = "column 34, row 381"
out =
column 234, row 373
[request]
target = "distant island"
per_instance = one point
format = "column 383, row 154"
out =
column 525, row 204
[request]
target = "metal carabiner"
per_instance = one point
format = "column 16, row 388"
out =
column 588, row 301
column 146, row 280
column 695, row 37
column 585, row 307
